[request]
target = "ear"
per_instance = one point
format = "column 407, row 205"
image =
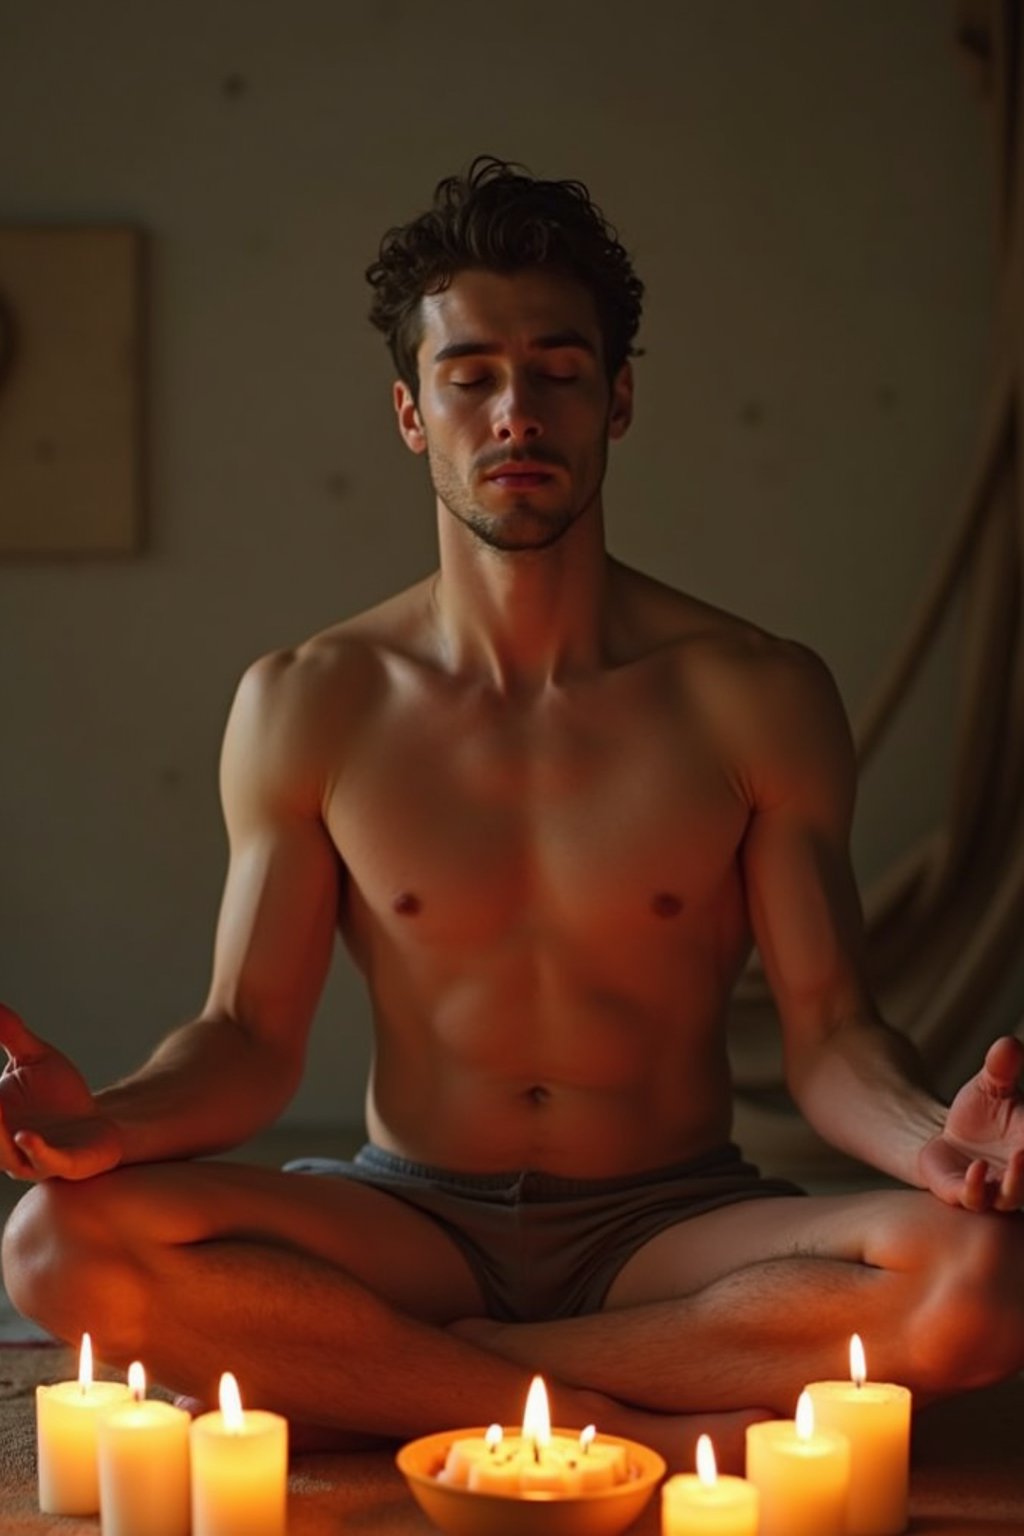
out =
column 620, row 412
column 409, row 423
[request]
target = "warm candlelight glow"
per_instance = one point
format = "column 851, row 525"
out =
column 231, row 1404
column 858, row 1364
column 85, row 1362
column 137, row 1380
column 537, row 1415
column 493, row 1437
column 804, row 1417
column 707, row 1470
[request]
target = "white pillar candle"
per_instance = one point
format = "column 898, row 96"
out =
column 801, row 1473
column 239, row 1469
column 67, row 1414
column 144, row 1466
column 704, row 1504
column 875, row 1417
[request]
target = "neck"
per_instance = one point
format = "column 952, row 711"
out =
column 527, row 619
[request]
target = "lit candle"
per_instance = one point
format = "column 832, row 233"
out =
column 537, row 1460
column 704, row 1504
column 143, row 1466
column 875, row 1416
column 801, row 1473
column 67, row 1414
column 239, row 1469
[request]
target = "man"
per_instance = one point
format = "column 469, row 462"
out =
column 549, row 802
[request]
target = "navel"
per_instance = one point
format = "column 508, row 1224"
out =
column 538, row 1094
column 664, row 904
column 407, row 904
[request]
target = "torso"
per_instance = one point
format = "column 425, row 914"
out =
column 545, row 896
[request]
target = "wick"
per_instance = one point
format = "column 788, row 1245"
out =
column 536, row 1452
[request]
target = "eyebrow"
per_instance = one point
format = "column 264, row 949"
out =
column 551, row 342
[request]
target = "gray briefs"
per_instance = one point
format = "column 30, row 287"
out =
column 543, row 1247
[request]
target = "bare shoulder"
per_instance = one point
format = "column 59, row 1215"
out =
column 297, row 709
column 771, row 703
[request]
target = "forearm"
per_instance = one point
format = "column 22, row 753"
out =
column 210, row 1085
column 863, row 1087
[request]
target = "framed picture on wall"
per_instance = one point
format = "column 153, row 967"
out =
column 71, row 391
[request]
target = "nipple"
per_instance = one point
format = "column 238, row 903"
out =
column 664, row 904
column 406, row 904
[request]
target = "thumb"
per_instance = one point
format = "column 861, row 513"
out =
column 15, row 1036
column 1003, row 1061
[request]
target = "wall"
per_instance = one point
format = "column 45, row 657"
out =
column 806, row 189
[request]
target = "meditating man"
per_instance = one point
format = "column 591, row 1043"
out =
column 550, row 803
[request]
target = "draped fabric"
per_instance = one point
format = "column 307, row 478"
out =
column 945, row 924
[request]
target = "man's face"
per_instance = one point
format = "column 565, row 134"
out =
column 515, row 410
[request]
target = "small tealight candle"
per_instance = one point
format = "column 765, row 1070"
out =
column 239, row 1469
column 875, row 1416
column 704, row 1504
column 536, row 1461
column 143, row 1466
column 67, row 1415
column 802, row 1474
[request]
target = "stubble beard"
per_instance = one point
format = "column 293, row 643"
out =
column 523, row 527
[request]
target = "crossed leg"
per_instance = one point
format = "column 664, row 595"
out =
column 747, row 1303
column 343, row 1308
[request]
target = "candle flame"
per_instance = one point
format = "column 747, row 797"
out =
column 858, row 1364
column 493, row 1437
column 587, row 1437
column 707, row 1470
column 804, row 1416
column 537, row 1415
column 231, row 1403
column 85, row 1363
column 137, row 1380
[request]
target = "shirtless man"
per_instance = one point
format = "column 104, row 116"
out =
column 549, row 802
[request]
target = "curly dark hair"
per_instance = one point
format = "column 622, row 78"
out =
column 501, row 217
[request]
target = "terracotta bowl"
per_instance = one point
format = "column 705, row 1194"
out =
column 463, row 1512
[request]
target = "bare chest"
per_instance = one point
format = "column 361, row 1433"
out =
column 480, row 821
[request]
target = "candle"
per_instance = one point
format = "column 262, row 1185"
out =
column 704, row 1504
column 239, row 1469
column 875, row 1416
column 535, row 1461
column 143, row 1466
column 801, row 1473
column 67, row 1414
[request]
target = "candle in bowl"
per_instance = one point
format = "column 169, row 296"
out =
column 875, row 1416
column 239, row 1469
column 143, row 1465
column 801, row 1473
column 533, row 1482
column 67, row 1415
column 704, row 1504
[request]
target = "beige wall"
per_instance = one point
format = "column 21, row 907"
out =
column 805, row 185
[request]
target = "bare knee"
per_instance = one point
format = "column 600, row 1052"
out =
column 968, row 1328
column 65, row 1267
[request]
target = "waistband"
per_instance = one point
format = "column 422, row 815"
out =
column 725, row 1160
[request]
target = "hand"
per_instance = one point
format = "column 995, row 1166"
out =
column 49, row 1124
column 977, row 1160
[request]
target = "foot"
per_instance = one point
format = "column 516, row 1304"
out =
column 673, row 1435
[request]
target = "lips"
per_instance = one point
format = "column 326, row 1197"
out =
column 519, row 476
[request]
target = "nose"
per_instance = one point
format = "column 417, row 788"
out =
column 517, row 418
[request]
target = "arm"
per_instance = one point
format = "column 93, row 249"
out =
column 218, row 1079
column 859, row 1083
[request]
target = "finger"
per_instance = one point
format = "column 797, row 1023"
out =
column 1011, row 1187
column 15, row 1036
column 977, row 1193
column 1003, row 1062
column 12, row 1161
